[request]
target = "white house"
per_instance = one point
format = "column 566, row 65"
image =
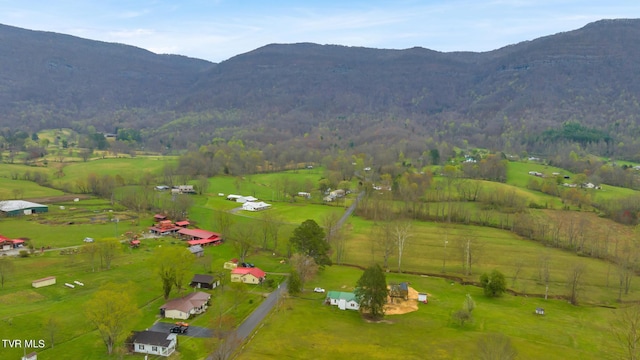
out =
column 245, row 199
column 343, row 300
column 255, row 206
column 186, row 189
column 155, row 343
column 304, row 194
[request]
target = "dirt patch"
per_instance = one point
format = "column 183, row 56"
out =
column 57, row 199
column 20, row 297
column 401, row 306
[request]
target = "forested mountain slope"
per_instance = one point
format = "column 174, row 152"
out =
column 346, row 96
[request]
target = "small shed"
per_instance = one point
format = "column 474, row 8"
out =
column 196, row 250
column 230, row 265
column 423, row 298
column 49, row 280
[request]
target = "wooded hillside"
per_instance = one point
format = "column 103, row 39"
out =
column 327, row 96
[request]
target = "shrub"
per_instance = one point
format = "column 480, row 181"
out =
column 461, row 316
column 24, row 253
column 494, row 284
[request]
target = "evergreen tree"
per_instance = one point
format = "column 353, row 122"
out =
column 371, row 291
column 309, row 239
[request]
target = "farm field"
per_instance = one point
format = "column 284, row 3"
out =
column 305, row 328
column 433, row 250
column 27, row 310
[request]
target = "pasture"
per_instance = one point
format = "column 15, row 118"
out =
column 433, row 249
column 27, row 310
column 304, row 328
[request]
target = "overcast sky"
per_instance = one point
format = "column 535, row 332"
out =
column 216, row 30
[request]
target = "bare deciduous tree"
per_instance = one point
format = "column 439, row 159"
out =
column 626, row 328
column 575, row 282
column 305, row 266
column 402, row 232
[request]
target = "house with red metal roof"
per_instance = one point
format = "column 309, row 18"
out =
column 183, row 223
column 8, row 244
column 248, row 275
column 200, row 237
column 164, row 227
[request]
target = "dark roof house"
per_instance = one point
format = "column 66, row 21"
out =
column 153, row 342
column 201, row 281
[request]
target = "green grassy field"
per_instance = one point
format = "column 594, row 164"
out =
column 21, row 189
column 325, row 332
column 27, row 309
column 567, row 332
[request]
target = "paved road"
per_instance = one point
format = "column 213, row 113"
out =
column 249, row 325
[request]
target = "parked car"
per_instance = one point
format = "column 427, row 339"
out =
column 318, row 290
column 182, row 323
column 247, row 265
column 88, row 240
column 178, row 330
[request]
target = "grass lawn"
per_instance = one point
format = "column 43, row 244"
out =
column 23, row 189
column 27, row 309
column 304, row 328
column 129, row 169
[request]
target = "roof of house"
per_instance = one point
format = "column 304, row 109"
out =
column 249, row 271
column 153, row 338
column 202, row 241
column 164, row 229
column 255, row 204
column 187, row 303
column 13, row 205
column 159, row 216
column 196, row 249
column 341, row 295
column 182, row 223
column 198, row 233
column 44, row 279
column 204, row 279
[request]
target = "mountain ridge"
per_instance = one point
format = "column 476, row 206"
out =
column 280, row 92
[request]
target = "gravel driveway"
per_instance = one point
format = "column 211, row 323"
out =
column 194, row 331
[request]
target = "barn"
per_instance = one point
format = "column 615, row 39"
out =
column 21, row 207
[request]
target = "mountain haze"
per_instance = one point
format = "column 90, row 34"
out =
column 502, row 99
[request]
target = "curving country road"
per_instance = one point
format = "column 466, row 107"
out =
column 250, row 324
